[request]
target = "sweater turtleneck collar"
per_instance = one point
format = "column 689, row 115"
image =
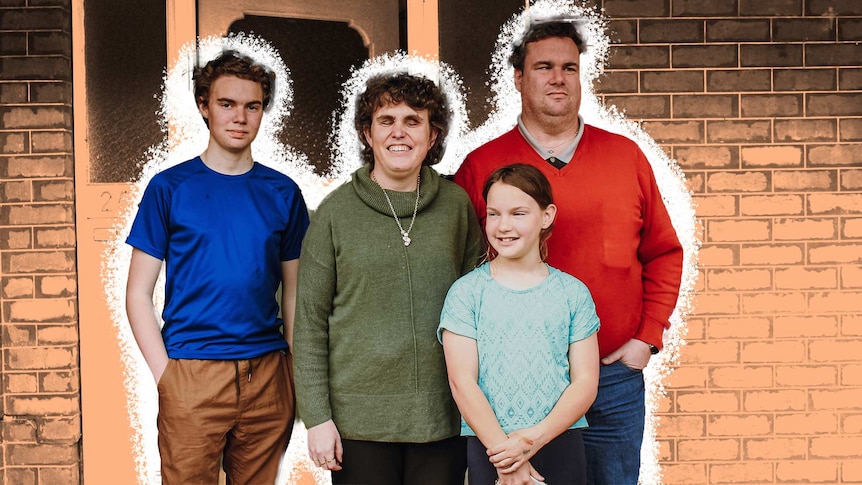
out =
column 403, row 202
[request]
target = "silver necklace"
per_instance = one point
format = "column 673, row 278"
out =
column 405, row 235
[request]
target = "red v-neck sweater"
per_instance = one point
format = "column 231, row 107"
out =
column 612, row 229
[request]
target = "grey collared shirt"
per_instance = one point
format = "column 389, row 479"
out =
column 565, row 154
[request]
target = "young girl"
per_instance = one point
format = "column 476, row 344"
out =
column 520, row 343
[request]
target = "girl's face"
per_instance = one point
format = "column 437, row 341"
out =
column 515, row 221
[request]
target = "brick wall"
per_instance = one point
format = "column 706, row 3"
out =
column 760, row 102
column 40, row 420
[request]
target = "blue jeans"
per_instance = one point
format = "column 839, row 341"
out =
column 616, row 427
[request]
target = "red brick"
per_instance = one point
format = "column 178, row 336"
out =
column 51, row 92
column 715, row 205
column 849, row 29
column 849, row 78
column 806, row 278
column 60, row 429
column 21, row 476
column 18, row 430
column 641, row 106
column 851, row 325
column 14, row 142
column 805, row 326
column 18, row 287
column 15, row 238
column 30, row 117
column 636, row 8
column 835, row 155
column 806, row 424
column 775, row 448
column 57, row 286
column 732, row 30
column 705, row 106
column 694, row 329
column 40, row 358
column 770, row 8
column 43, row 405
column 806, row 376
column 42, row 310
column 834, row 105
column 13, row 93
column 739, row 279
column 50, row 141
column 66, row 475
column 835, row 350
column 712, row 352
column 694, row 182
column 638, row 57
column 833, row 54
column 836, row 446
column 686, row 377
column 63, row 237
column 42, row 454
column 709, row 303
column 16, row 192
column 37, row 167
column 710, row 56
column 772, row 254
column 721, row 255
column 806, row 130
column 740, row 425
column 805, row 180
column 771, row 105
column 752, row 472
column 676, row 473
column 842, row 399
column 809, row 471
column 784, row 400
column 741, row 377
column 20, row 383
column 37, row 67
column 672, row 81
column 622, row 31
column 786, row 302
column 771, row 205
column 18, row 335
column 57, row 334
column 768, row 55
column 806, row 29
column 804, row 229
column 852, row 424
column 852, row 228
column 675, row 131
column 851, row 471
column 708, row 450
column 851, row 375
column 772, row 156
column 805, row 79
column 33, row 19
column 851, row 179
column 738, row 230
column 735, row 81
column 685, row 426
column 742, row 131
column 739, row 327
column 39, row 262
column 850, row 129
column 39, row 214
column 48, row 43
column 850, row 302
column 59, row 382
column 50, row 191
column 835, row 253
column 617, row 82
column 707, row 402
column 778, row 351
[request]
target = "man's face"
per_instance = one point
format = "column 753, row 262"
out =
column 234, row 112
column 550, row 82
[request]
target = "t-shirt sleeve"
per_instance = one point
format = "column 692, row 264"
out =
column 291, row 242
column 149, row 231
column 459, row 312
column 584, row 321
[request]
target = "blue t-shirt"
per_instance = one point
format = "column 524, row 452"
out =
column 223, row 238
column 523, row 339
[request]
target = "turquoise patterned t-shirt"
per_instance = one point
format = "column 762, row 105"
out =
column 523, row 339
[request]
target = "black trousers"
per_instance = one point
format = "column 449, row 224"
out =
column 374, row 463
column 561, row 462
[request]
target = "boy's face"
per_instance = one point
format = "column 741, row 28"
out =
column 234, row 112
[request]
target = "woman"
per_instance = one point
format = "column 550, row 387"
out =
column 376, row 263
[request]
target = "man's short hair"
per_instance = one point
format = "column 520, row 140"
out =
column 542, row 30
column 230, row 63
column 414, row 91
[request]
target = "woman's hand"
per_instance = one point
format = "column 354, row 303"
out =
column 518, row 448
column 324, row 446
column 521, row 476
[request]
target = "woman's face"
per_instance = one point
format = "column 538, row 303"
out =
column 400, row 138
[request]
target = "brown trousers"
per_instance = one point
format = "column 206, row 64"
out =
column 239, row 411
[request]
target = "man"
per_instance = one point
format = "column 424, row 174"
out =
column 229, row 232
column 612, row 232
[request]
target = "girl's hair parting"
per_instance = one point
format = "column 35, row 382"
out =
column 532, row 182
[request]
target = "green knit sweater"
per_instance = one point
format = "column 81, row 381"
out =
column 365, row 349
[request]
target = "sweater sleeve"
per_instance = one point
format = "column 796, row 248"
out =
column 314, row 299
column 660, row 254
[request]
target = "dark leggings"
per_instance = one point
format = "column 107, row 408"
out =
column 561, row 462
column 374, row 463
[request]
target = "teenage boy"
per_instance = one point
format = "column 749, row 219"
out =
column 229, row 232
